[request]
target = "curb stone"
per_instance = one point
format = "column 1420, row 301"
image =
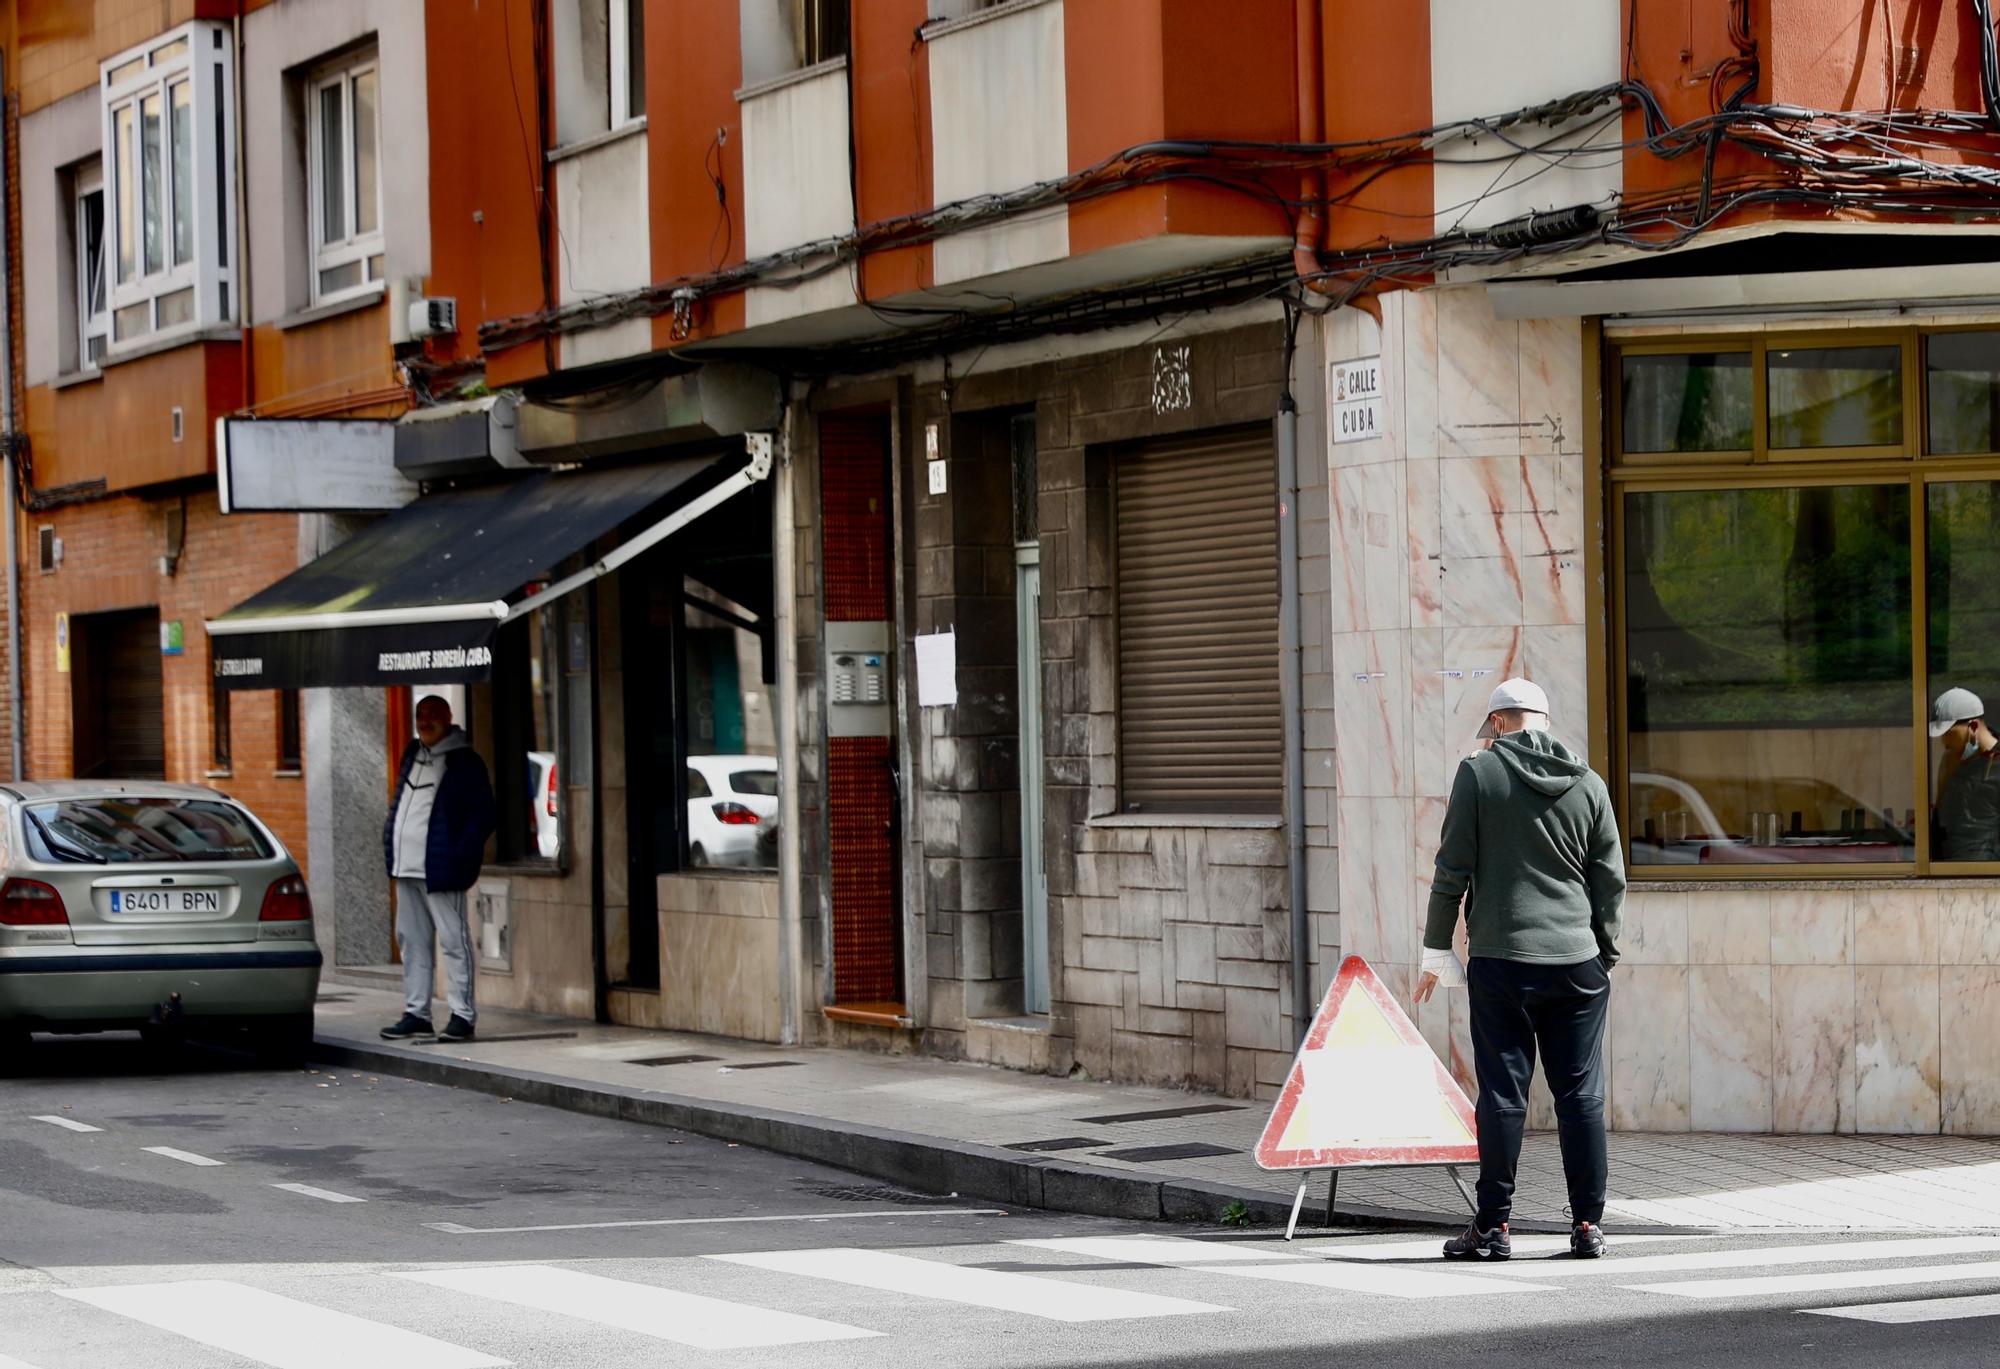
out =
column 929, row 1163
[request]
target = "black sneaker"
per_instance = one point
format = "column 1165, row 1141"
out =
column 1586, row 1240
column 1474, row 1244
column 410, row 1028
column 458, row 1029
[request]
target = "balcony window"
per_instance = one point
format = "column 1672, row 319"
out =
column 344, row 184
column 168, row 210
column 627, row 61
column 93, row 286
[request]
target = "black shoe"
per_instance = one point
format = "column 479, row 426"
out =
column 410, row 1028
column 1586, row 1240
column 1474, row 1244
column 458, row 1029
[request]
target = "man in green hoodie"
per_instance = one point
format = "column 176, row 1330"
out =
column 1529, row 843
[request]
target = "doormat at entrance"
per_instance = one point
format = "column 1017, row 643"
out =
column 1191, row 1150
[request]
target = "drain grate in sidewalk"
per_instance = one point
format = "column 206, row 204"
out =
column 1194, row 1110
column 1189, row 1150
column 524, row 1036
column 1059, row 1143
column 764, row 1065
column 674, row 1060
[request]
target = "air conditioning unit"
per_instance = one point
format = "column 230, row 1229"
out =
column 431, row 317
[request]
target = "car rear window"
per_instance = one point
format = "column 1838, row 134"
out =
column 754, row 781
column 123, row 830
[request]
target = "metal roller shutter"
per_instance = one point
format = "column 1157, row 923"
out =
column 1200, row 724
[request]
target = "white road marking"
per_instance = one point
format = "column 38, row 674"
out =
column 8, row 1362
column 454, row 1229
column 1160, row 1250
column 67, row 1125
column 1429, row 1247
column 278, row 1331
column 1825, row 1279
column 186, row 1157
column 1028, row 1294
column 683, row 1318
column 1907, row 1249
column 323, row 1194
column 1372, row 1278
column 1925, row 1309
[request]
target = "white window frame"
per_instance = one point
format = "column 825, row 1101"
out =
column 352, row 245
column 618, row 44
column 199, row 55
column 91, row 324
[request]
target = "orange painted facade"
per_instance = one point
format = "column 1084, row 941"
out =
column 116, row 431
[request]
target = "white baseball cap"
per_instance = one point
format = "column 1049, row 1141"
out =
column 1953, row 707
column 1515, row 693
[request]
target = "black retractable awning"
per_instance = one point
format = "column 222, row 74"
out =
column 418, row 596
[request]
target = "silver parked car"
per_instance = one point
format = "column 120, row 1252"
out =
column 165, row 907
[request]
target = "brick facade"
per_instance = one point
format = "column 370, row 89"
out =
column 111, row 561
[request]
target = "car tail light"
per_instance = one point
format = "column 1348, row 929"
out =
column 552, row 790
column 735, row 814
column 30, row 903
column 286, row 901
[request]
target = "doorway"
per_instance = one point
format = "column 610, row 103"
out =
column 117, row 712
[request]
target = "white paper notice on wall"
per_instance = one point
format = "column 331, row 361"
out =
column 937, row 670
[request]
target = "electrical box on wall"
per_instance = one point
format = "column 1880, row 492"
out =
column 858, row 681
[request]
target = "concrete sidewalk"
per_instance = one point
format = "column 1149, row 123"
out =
column 1112, row 1150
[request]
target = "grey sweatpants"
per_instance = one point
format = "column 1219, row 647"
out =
column 422, row 916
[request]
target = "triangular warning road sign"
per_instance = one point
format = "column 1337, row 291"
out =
column 1366, row 1089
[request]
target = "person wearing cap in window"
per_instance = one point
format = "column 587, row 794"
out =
column 1530, row 845
column 1968, row 799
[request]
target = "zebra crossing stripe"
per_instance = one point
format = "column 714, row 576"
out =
column 1428, row 1248
column 683, row 1318
column 1160, row 1250
column 1824, row 1280
column 1925, row 1309
column 1029, row 1294
column 8, row 1362
column 67, row 1124
column 1843, row 1252
column 281, row 1332
column 1376, row 1279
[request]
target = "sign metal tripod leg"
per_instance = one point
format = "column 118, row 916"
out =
column 1465, row 1190
column 1298, row 1201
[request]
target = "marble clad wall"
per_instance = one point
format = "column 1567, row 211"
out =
column 1457, row 547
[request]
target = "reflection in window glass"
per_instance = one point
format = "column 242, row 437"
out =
column 181, row 96
column 126, row 177
column 1962, row 375
column 1835, row 396
column 367, row 215
column 1687, row 402
column 1962, row 605
column 1768, row 667
column 332, row 165
column 151, row 189
column 732, row 740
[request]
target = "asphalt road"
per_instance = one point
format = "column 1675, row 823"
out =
column 220, row 1215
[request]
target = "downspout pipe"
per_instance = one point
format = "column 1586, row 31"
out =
column 15, row 711
column 1292, row 687
column 1309, row 229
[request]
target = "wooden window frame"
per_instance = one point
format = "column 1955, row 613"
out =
column 1905, row 464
